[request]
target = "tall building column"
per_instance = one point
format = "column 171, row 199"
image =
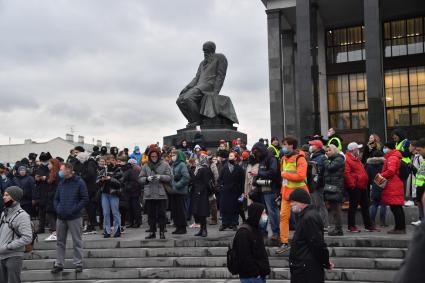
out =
column 303, row 66
column 275, row 74
column 288, row 75
column 374, row 68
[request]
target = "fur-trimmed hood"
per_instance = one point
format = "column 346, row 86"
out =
column 375, row 160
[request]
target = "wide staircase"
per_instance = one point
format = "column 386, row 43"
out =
column 364, row 257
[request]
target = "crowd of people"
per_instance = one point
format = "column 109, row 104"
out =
column 111, row 190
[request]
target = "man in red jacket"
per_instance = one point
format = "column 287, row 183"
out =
column 356, row 180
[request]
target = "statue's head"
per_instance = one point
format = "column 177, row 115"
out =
column 209, row 49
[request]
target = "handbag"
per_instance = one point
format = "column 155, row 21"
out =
column 332, row 193
column 380, row 181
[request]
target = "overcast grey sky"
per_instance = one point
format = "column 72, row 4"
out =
column 114, row 68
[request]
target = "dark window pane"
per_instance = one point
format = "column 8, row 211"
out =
column 329, row 55
column 359, row 120
column 329, row 38
column 387, row 31
column 418, row 116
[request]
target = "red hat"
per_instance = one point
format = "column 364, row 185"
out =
column 245, row 155
column 317, row 143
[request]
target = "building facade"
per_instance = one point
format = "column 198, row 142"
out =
column 355, row 65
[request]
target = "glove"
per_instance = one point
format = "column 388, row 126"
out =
column 151, row 178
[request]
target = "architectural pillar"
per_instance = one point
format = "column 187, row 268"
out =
column 374, row 68
column 275, row 74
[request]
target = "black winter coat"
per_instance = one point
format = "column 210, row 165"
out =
column 309, row 254
column 27, row 184
column 89, row 175
column 268, row 167
column 201, row 192
column 130, row 179
column 334, row 171
column 51, row 192
column 412, row 268
column 231, row 188
column 249, row 246
column 374, row 166
column 42, row 187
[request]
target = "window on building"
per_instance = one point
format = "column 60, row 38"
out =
column 345, row 45
column 404, row 37
column 347, row 101
column 405, row 96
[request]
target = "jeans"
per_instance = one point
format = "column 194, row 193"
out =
column 374, row 210
column 273, row 213
column 253, row 280
column 10, row 269
column 110, row 202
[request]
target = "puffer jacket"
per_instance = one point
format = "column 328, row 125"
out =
column 355, row 176
column 181, row 175
column 10, row 243
column 334, row 170
column 393, row 193
column 155, row 189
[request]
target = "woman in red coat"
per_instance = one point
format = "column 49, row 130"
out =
column 393, row 193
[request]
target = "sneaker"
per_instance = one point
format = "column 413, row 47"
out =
column 409, row 203
column 282, row 249
column 195, row 225
column 56, row 269
column 372, row 229
column 78, row 269
column 354, row 229
column 416, row 223
column 51, row 238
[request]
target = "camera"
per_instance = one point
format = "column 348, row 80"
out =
column 263, row 183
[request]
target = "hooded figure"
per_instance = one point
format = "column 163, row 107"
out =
column 137, row 154
column 248, row 243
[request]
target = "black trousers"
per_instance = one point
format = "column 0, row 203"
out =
column 156, row 213
column 91, row 208
column 202, row 220
column 42, row 218
column 357, row 197
column 178, row 212
column 134, row 211
column 398, row 212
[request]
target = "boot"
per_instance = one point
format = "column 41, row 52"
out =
column 204, row 232
column 199, row 234
column 152, row 235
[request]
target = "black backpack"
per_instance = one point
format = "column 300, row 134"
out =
column 232, row 257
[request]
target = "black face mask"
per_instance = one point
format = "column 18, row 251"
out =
column 8, row 203
column 232, row 161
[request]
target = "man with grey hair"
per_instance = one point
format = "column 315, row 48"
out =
column 15, row 234
column 208, row 80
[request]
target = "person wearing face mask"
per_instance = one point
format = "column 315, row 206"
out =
column 393, row 193
column 27, row 184
column 231, row 182
column 154, row 176
column 334, row 139
column 309, row 254
column 5, row 182
column 253, row 261
column 70, row 199
column 356, row 181
column 15, row 233
column 180, row 184
column 136, row 154
column 318, row 157
column 294, row 175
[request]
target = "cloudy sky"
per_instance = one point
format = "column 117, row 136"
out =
column 113, row 69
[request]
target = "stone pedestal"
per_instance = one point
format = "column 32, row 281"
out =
column 209, row 136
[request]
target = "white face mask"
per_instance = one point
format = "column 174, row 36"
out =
column 296, row 209
column 311, row 149
column 174, row 158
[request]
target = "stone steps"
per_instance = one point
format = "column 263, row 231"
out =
column 368, row 275
column 340, row 262
column 363, row 257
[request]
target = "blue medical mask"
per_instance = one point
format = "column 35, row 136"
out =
column 386, row 150
column 284, row 150
column 61, row 174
